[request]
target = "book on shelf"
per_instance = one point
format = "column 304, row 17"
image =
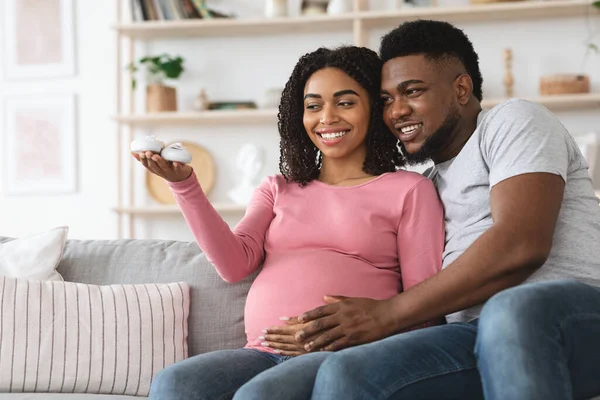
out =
column 172, row 10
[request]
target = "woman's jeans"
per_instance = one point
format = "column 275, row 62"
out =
column 219, row 374
column 534, row 341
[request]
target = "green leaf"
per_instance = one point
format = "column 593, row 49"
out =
column 172, row 69
column 159, row 67
column 594, row 47
column 596, row 4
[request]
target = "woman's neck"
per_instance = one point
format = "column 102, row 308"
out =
column 338, row 171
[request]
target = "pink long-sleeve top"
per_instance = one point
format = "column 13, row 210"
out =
column 370, row 240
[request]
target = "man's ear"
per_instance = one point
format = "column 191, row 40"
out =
column 464, row 89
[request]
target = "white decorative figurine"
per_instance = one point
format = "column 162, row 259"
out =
column 249, row 162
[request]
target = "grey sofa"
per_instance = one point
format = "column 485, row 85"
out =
column 216, row 307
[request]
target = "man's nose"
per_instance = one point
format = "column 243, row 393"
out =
column 399, row 109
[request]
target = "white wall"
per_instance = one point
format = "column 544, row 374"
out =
column 86, row 211
column 238, row 68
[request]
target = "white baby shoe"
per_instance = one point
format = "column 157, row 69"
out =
column 176, row 152
column 148, row 143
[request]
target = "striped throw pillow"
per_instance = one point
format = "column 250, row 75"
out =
column 75, row 338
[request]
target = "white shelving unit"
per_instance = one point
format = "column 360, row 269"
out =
column 359, row 22
column 560, row 102
column 264, row 116
column 258, row 116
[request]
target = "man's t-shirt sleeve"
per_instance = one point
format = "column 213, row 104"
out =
column 521, row 137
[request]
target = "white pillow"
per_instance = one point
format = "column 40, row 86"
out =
column 74, row 338
column 34, row 257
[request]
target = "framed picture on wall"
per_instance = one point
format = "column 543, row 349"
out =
column 39, row 38
column 40, row 145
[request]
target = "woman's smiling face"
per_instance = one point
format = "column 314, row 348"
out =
column 336, row 113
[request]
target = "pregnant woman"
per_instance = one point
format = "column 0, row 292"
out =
column 339, row 219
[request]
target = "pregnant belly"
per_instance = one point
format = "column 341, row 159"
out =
column 291, row 284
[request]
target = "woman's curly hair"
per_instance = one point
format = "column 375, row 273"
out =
column 300, row 160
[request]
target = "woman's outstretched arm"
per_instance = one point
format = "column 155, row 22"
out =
column 235, row 254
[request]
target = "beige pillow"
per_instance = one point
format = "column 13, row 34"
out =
column 34, row 257
column 75, row 338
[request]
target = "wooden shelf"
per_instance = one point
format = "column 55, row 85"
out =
column 481, row 12
column 169, row 210
column 222, row 208
column 236, row 27
column 269, row 116
column 252, row 116
column 559, row 102
column 523, row 10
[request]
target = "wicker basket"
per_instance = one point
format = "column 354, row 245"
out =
column 564, row 84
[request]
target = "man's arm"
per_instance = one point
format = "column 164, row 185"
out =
column 526, row 151
column 524, row 210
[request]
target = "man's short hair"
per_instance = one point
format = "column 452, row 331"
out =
column 437, row 41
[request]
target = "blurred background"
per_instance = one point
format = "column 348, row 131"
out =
column 209, row 74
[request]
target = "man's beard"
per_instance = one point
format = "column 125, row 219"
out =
column 435, row 143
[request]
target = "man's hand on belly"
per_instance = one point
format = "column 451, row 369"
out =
column 346, row 322
column 283, row 338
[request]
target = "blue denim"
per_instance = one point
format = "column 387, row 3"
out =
column 214, row 375
column 535, row 341
column 292, row 380
column 219, row 374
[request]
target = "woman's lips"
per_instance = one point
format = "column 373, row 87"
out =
column 331, row 137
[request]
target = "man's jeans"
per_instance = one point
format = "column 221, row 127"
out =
column 534, row 341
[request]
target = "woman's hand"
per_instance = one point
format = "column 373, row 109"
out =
column 282, row 338
column 171, row 171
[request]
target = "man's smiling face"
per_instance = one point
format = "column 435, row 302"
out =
column 420, row 105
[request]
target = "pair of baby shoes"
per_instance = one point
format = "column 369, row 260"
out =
column 175, row 152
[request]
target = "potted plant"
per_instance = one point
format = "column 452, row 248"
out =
column 159, row 96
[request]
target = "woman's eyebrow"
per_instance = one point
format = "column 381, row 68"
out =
column 312, row 96
column 343, row 92
column 336, row 94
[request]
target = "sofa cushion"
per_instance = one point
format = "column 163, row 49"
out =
column 76, row 338
column 216, row 308
column 34, row 257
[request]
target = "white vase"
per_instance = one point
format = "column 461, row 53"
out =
column 336, row 7
column 275, row 8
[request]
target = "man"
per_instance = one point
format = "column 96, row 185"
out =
column 522, row 237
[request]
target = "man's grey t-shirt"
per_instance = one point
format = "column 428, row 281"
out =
column 514, row 138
